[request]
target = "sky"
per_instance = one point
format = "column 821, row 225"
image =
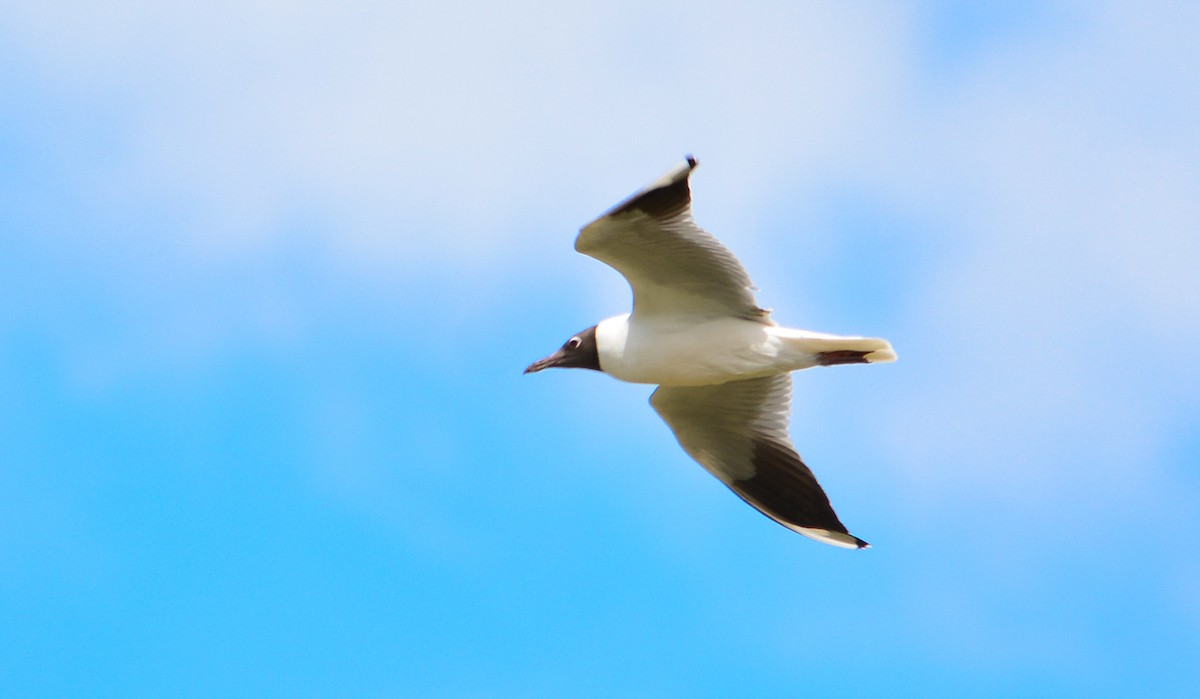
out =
column 270, row 272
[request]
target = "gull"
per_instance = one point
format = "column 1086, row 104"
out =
column 722, row 366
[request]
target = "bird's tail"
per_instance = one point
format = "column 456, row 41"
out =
column 829, row 350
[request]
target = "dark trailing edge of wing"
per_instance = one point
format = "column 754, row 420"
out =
column 785, row 489
column 664, row 202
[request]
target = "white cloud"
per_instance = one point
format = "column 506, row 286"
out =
column 460, row 138
column 1048, row 348
column 390, row 121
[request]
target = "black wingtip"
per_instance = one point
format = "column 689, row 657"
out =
column 691, row 161
column 668, row 197
column 861, row 544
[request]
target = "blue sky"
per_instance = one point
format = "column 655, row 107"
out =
column 269, row 275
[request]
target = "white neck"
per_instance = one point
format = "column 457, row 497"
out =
column 611, row 336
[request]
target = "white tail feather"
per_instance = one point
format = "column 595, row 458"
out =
column 814, row 344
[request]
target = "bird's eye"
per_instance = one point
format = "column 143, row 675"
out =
column 574, row 343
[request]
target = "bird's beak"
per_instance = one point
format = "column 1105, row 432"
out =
column 547, row 362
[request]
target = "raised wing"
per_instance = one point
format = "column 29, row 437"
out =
column 672, row 265
column 738, row 432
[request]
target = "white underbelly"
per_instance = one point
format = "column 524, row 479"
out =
column 687, row 353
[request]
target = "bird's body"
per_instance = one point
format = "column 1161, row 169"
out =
column 685, row 351
column 722, row 365
column 676, row 351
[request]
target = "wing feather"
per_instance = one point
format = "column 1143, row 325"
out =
column 738, row 431
column 672, row 265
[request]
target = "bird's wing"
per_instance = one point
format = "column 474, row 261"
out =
column 739, row 432
column 673, row 266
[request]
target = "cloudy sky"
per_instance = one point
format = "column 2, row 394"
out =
column 269, row 274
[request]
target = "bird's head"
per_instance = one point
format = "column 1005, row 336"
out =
column 579, row 353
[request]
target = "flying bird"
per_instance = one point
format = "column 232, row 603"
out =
column 722, row 366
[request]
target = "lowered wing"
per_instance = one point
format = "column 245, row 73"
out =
column 738, row 432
